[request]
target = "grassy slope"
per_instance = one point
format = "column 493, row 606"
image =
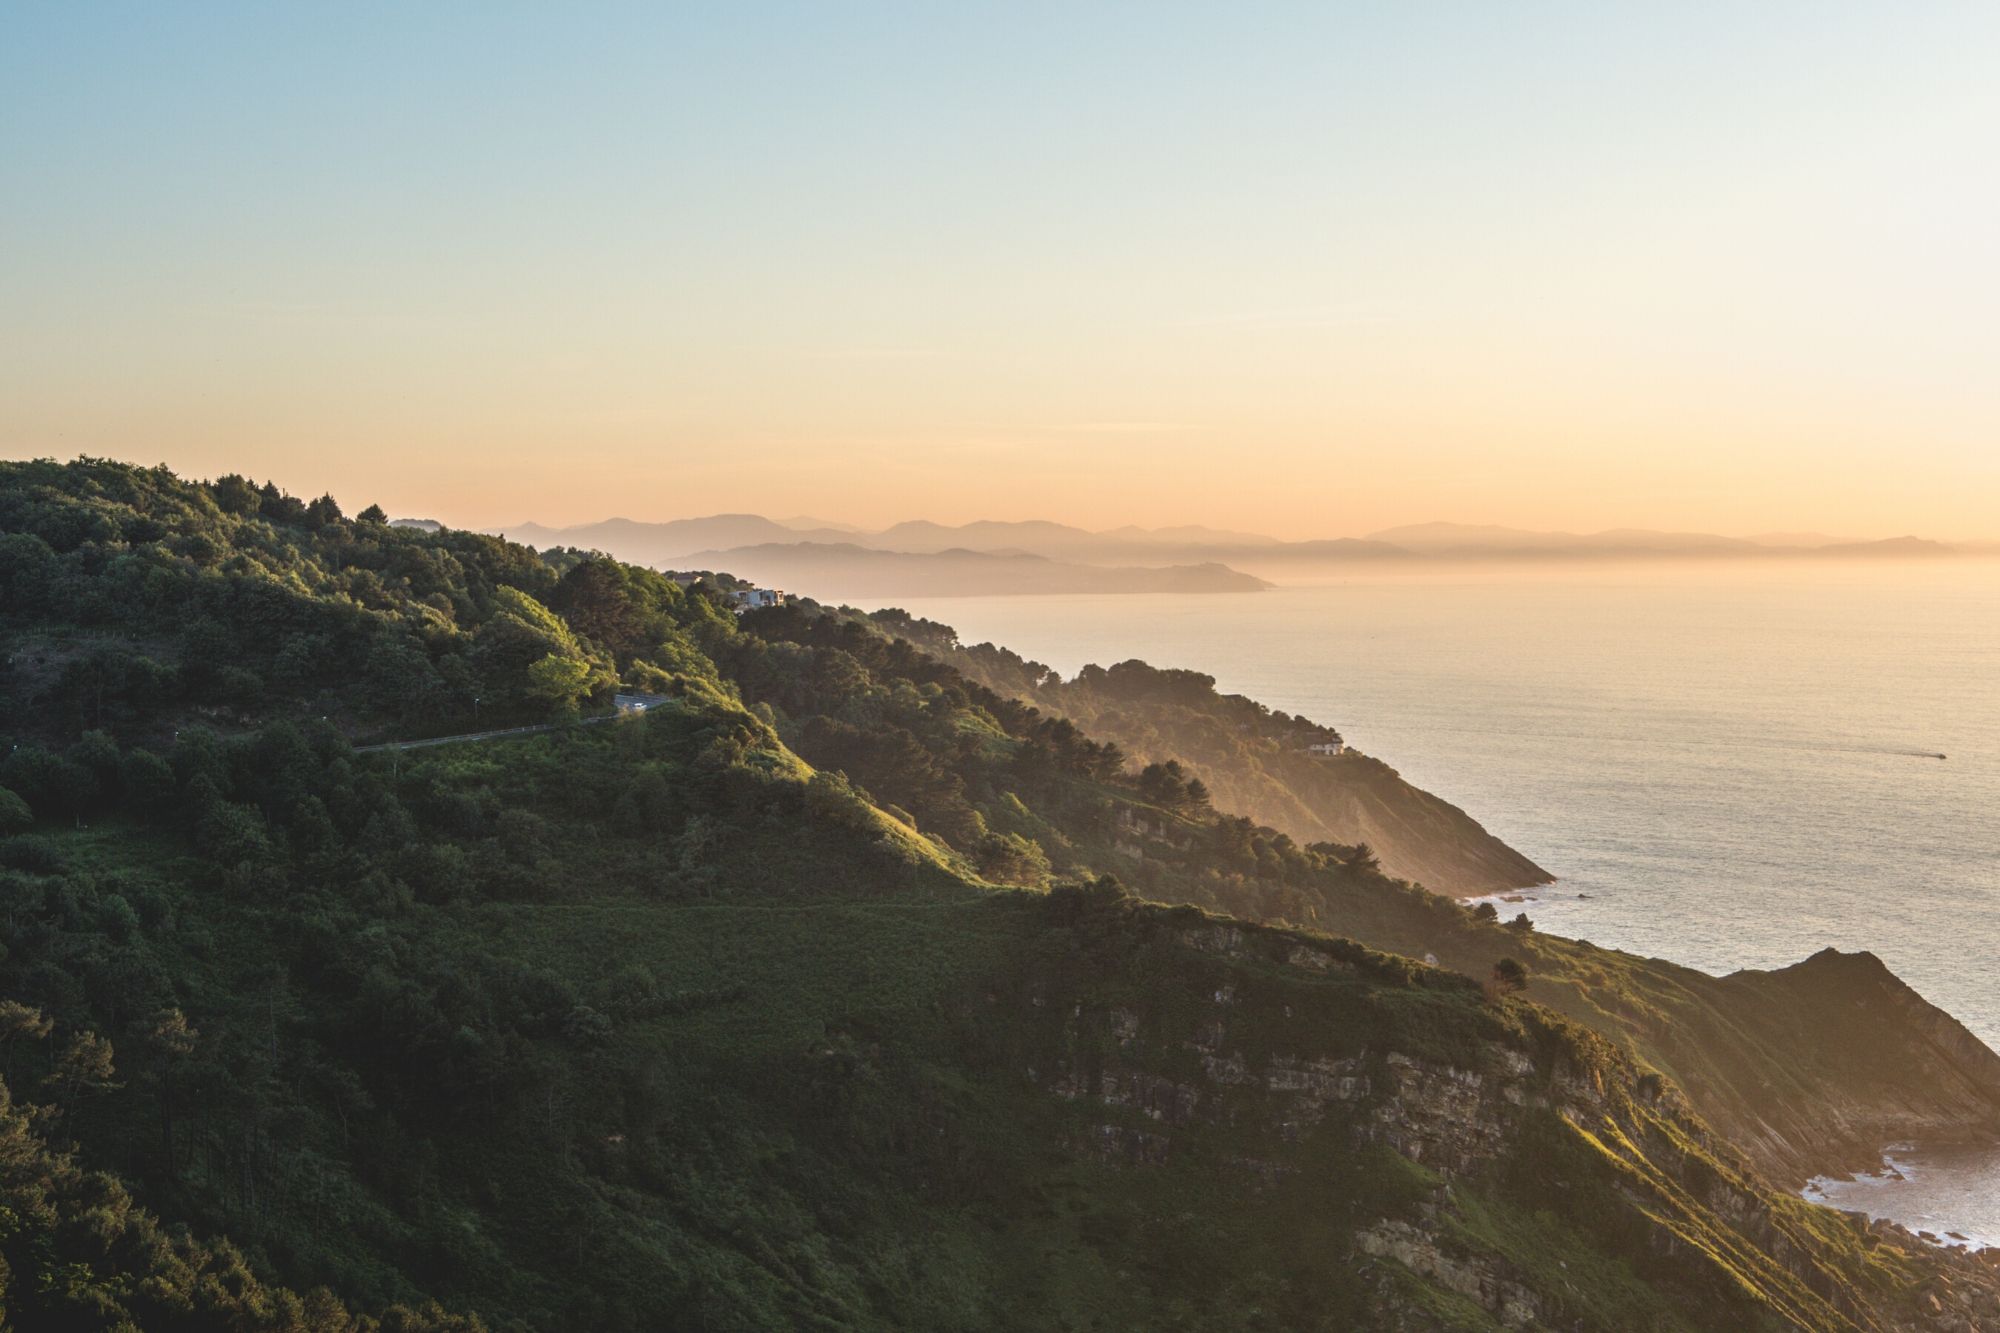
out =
column 1254, row 763
column 850, row 1124
column 1810, row 1069
column 749, row 1051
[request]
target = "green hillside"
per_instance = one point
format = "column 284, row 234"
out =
column 1809, row 1069
column 823, row 995
column 1254, row 760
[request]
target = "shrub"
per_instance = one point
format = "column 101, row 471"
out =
column 34, row 854
column 15, row 817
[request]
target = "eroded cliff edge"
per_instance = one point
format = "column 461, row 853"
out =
column 834, row 1035
column 1255, row 761
column 1482, row 1172
column 1809, row 1069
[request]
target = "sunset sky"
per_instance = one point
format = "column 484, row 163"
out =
column 1311, row 269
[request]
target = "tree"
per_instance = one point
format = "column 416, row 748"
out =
column 323, row 512
column 236, row 494
column 1509, row 977
column 19, row 1020
column 1163, row 784
column 1486, row 914
column 522, row 634
column 831, row 799
column 170, row 1039
column 279, row 507
column 84, row 1066
column 562, row 682
column 233, row 835
column 372, row 514
column 148, row 781
column 72, row 788
column 398, row 677
column 15, row 816
column 614, row 605
column 1009, row 858
column 1070, row 903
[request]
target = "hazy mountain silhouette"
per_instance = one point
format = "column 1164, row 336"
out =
column 685, row 543
column 835, row 570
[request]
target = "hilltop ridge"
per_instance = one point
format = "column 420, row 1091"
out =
column 1253, row 760
column 837, row 988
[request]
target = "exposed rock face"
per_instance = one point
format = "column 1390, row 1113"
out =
column 1778, row 1062
column 1807, row 1070
column 1449, row 1119
column 1485, row 1284
column 1886, row 1065
column 1551, row 1112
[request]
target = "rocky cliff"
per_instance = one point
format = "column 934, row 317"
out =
column 729, row 1016
column 1886, row 1065
column 1808, row 1069
column 1497, row 1169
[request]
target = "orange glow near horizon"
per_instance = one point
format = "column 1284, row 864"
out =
column 1342, row 272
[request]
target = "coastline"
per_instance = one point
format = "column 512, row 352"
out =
column 1934, row 1192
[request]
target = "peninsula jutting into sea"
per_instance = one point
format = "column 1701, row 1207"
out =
column 312, row 823
column 1050, row 668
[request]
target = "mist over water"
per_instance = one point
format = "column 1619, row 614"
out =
column 1735, row 765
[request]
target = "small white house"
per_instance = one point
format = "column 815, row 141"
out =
column 1327, row 747
column 638, row 703
column 750, row 599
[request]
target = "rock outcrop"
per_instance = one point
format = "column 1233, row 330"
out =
column 1496, row 1139
column 1886, row 1065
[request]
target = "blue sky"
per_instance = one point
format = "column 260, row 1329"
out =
column 1679, row 265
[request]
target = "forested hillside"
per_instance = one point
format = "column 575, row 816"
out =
column 822, row 995
column 1810, row 1069
column 1253, row 759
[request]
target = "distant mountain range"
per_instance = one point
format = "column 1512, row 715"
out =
column 677, row 539
column 921, row 558
column 1485, row 541
column 837, row 570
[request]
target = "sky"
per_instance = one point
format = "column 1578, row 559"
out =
column 1306, row 269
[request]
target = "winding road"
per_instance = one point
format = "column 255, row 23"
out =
column 531, row 730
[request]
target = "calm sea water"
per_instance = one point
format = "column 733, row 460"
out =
column 1733, row 762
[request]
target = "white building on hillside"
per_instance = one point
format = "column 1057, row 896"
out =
column 639, row 703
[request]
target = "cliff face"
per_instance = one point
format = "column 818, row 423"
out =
column 1808, row 1069
column 1483, row 1167
column 1887, row 1065
column 668, row 1024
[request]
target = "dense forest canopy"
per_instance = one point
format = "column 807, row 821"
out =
column 1287, row 771
column 844, row 987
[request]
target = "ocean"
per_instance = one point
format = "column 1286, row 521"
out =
column 1728, row 764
